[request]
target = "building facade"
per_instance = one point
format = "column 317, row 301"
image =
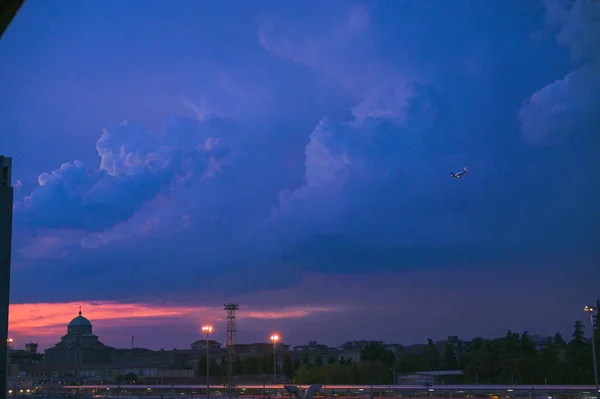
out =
column 79, row 346
column 6, row 205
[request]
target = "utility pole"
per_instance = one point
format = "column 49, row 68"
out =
column 207, row 330
column 274, row 338
column 591, row 310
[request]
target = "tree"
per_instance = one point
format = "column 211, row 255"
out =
column 481, row 361
column 527, row 368
column 296, row 365
column 288, row 368
column 550, row 363
column 375, row 351
column 201, row 369
column 407, row 362
column 559, row 341
column 266, row 364
column 578, row 333
column 310, row 375
column 432, row 355
column 578, row 357
column 449, row 362
column 513, row 358
column 214, row 367
column 252, row 365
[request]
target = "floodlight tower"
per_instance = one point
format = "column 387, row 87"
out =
column 230, row 308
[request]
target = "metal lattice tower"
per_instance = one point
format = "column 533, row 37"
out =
column 231, row 308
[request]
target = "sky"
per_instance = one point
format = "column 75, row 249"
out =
column 295, row 157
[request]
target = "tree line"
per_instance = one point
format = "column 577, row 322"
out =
column 512, row 359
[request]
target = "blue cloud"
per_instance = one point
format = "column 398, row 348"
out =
column 567, row 106
column 322, row 144
column 134, row 168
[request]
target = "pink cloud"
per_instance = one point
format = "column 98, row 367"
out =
column 46, row 322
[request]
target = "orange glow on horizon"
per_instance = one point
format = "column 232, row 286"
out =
column 47, row 322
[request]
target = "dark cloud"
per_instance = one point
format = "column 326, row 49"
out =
column 336, row 170
column 567, row 107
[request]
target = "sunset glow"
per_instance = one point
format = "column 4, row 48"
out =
column 46, row 322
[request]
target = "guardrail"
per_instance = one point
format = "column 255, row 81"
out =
column 447, row 388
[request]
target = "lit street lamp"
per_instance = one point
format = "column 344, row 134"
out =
column 591, row 310
column 207, row 330
column 275, row 338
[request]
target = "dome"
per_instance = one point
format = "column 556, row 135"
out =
column 80, row 321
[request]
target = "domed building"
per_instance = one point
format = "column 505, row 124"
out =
column 79, row 345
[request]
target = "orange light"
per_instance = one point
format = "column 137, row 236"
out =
column 10, row 341
column 274, row 337
column 207, row 329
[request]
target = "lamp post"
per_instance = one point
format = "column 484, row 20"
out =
column 591, row 310
column 207, row 330
column 264, row 377
column 274, row 338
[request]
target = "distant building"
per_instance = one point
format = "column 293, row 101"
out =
column 311, row 352
column 201, row 345
column 6, row 206
column 31, row 348
column 394, row 348
column 28, row 356
column 430, row 378
column 353, row 345
column 79, row 346
column 261, row 349
column 176, row 358
column 312, row 346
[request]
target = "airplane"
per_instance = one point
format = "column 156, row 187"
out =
column 459, row 174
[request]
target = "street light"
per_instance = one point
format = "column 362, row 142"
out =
column 264, row 377
column 591, row 310
column 274, row 338
column 207, row 330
